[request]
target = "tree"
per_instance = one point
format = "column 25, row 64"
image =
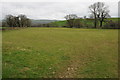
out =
column 100, row 12
column 93, row 9
column 22, row 20
column 28, row 22
column 71, row 20
column 17, row 21
column 10, row 20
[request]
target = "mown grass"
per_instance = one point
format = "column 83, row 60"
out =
column 60, row 52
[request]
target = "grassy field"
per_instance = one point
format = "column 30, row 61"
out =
column 60, row 52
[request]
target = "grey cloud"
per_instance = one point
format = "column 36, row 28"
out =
column 51, row 10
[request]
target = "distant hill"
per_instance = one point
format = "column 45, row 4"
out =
column 35, row 22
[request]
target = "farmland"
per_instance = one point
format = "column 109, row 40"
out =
column 60, row 53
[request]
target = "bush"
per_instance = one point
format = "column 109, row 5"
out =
column 111, row 25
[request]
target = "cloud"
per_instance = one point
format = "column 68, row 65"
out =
column 59, row 0
column 52, row 10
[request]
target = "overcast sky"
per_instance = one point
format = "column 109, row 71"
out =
column 52, row 9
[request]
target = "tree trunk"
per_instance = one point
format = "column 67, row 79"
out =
column 95, row 23
column 101, row 23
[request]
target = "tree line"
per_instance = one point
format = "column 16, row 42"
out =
column 16, row 21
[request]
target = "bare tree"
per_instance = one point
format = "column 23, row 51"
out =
column 19, row 21
column 100, row 12
column 16, row 21
column 71, row 20
column 10, row 20
column 93, row 9
column 22, row 20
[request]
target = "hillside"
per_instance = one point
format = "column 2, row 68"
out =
column 84, row 22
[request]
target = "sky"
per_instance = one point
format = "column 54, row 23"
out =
column 52, row 9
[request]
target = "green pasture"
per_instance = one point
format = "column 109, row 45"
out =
column 60, row 53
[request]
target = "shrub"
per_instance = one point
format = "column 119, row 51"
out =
column 111, row 25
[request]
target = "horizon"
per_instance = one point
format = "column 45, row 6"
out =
column 54, row 19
